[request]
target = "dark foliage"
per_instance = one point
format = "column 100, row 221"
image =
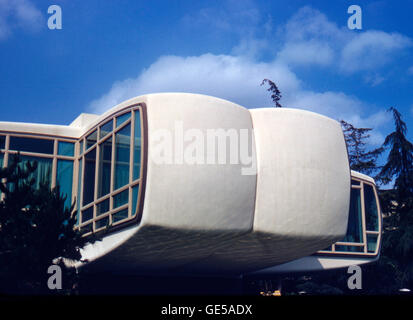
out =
column 360, row 159
column 275, row 93
column 36, row 230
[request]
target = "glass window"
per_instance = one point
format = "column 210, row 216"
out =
column 106, row 128
column 370, row 203
column 137, row 147
column 104, row 222
column 43, row 172
column 135, row 193
column 371, row 243
column 120, row 199
column 122, row 155
column 102, row 207
column 122, row 118
column 2, row 142
column 87, row 214
column 31, row 145
column 65, row 179
column 1, row 160
column 66, row 148
column 79, row 188
column 349, row 248
column 105, row 167
column 81, row 147
column 121, row 215
column 354, row 227
column 91, row 139
column 355, row 182
column 89, row 177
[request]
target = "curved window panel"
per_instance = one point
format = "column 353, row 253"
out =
column 1, row 160
column 102, row 207
column 65, row 179
column 66, row 149
column 89, row 177
column 354, row 227
column 87, row 214
column 122, row 157
column 122, row 119
column 371, row 243
column 137, row 142
column 349, row 248
column 2, row 142
column 105, row 167
column 120, row 199
column 102, row 223
column 31, row 145
column 370, row 205
column 135, row 194
column 91, row 139
column 355, row 182
column 120, row 215
column 106, row 129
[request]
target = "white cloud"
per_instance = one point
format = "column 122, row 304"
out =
column 235, row 78
column 307, row 52
column 18, row 14
column 371, row 49
column 309, row 39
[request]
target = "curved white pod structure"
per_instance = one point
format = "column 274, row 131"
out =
column 188, row 183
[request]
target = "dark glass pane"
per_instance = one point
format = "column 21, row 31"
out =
column 2, row 142
column 120, row 199
column 31, row 145
column 79, row 188
column 372, row 220
column 137, row 147
column 88, row 227
column 65, row 179
column 355, row 182
column 1, row 160
column 102, row 207
column 118, row 216
column 354, row 227
column 81, row 147
column 105, row 167
column 89, row 177
column 87, row 214
column 122, row 155
column 106, row 128
column 135, row 194
column 91, row 139
column 371, row 243
column 349, row 248
column 66, row 149
column 43, row 172
column 122, row 118
column 327, row 249
column 104, row 222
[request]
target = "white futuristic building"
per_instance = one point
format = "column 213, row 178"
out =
column 192, row 184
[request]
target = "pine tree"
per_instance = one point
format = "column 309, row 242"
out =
column 398, row 203
column 36, row 231
column 276, row 94
column 360, row 159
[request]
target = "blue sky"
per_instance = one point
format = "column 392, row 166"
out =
column 109, row 51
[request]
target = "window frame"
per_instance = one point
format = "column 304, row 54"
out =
column 133, row 217
column 364, row 244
